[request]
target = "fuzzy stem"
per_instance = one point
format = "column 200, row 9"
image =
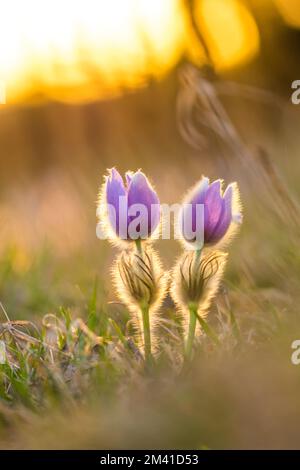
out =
column 138, row 244
column 145, row 315
column 146, row 331
column 198, row 254
column 193, row 317
column 191, row 332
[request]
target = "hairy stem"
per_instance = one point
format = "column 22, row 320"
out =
column 146, row 331
column 197, row 258
column 138, row 244
column 191, row 332
column 198, row 254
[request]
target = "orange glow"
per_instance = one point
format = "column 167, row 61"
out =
column 230, row 31
column 290, row 11
column 78, row 49
column 75, row 50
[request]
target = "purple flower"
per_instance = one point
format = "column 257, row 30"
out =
column 133, row 209
column 209, row 212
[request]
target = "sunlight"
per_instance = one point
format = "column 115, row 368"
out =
column 75, row 50
column 95, row 46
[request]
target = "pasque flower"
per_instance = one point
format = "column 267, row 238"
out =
column 220, row 212
column 209, row 216
column 131, row 209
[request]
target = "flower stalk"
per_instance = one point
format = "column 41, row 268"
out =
column 191, row 331
column 138, row 244
column 146, row 331
column 193, row 318
column 145, row 307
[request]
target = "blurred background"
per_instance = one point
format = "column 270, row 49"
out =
column 178, row 88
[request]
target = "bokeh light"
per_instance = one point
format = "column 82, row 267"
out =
column 83, row 50
column 230, row 31
column 290, row 11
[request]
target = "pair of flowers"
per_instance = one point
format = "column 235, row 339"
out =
column 130, row 215
column 132, row 211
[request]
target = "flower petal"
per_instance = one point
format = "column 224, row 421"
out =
column 190, row 217
column 128, row 176
column 213, row 206
column 198, row 197
column 140, row 192
column 225, row 218
column 114, row 191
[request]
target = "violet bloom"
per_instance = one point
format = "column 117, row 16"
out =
column 133, row 209
column 210, row 213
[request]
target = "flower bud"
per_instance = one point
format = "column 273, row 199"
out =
column 196, row 278
column 140, row 282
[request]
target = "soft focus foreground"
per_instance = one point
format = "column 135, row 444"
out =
column 73, row 377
